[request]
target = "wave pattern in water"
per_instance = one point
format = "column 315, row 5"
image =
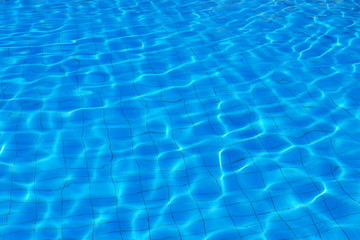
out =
column 180, row 119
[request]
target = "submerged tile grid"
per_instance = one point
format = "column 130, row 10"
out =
column 179, row 120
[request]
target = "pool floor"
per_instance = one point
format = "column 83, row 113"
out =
column 174, row 119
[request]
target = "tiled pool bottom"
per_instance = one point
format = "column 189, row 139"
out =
column 179, row 119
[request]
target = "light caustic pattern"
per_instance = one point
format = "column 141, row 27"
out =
column 174, row 119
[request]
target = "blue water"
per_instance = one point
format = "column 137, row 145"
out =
column 174, row 119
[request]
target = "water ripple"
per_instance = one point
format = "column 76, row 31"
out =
column 179, row 120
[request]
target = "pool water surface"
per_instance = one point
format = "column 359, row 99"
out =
column 174, row 119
